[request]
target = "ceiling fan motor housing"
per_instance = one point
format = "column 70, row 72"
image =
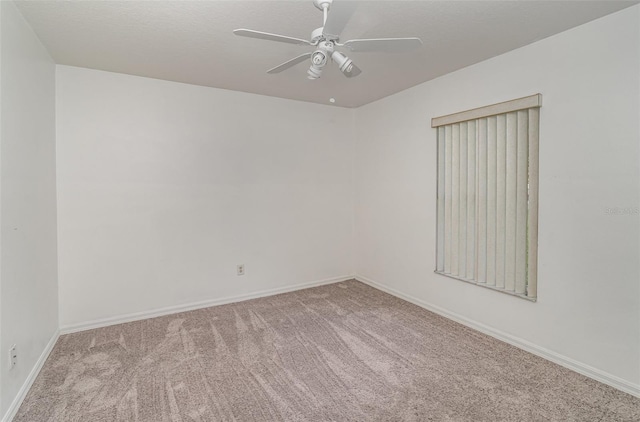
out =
column 317, row 36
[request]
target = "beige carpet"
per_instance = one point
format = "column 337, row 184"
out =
column 343, row 352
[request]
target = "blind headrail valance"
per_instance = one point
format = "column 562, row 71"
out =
column 531, row 101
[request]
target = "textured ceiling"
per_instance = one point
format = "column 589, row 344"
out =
column 192, row 41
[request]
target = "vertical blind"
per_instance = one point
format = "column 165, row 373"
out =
column 487, row 196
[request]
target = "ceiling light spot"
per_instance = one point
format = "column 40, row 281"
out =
column 332, row 100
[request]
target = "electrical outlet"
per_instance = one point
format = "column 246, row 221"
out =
column 13, row 356
column 240, row 269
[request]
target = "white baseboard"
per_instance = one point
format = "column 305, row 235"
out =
column 22, row 393
column 581, row 368
column 104, row 322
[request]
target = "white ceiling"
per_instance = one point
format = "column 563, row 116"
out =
column 192, row 41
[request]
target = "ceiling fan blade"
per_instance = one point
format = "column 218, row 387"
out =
column 339, row 14
column 387, row 45
column 290, row 63
column 270, row 37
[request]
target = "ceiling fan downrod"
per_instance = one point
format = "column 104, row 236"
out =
column 323, row 5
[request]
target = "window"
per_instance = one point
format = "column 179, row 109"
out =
column 487, row 201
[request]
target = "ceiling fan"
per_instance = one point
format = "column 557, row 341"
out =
column 327, row 38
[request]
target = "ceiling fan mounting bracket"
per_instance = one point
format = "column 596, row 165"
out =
column 322, row 4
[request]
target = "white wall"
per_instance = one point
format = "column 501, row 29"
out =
column 28, row 281
column 589, row 279
column 164, row 187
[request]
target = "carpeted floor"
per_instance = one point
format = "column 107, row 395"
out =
column 342, row 352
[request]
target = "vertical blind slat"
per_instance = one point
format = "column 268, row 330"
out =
column 447, row 199
column 521, row 201
column 455, row 197
column 471, row 199
column 511, row 191
column 481, row 194
column 501, row 180
column 462, row 225
column 532, row 267
column 440, row 199
column 491, row 200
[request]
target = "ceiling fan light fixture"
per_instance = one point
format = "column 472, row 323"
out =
column 345, row 64
column 314, row 73
column 318, row 60
column 342, row 61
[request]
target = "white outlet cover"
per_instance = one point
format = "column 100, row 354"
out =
column 13, row 356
